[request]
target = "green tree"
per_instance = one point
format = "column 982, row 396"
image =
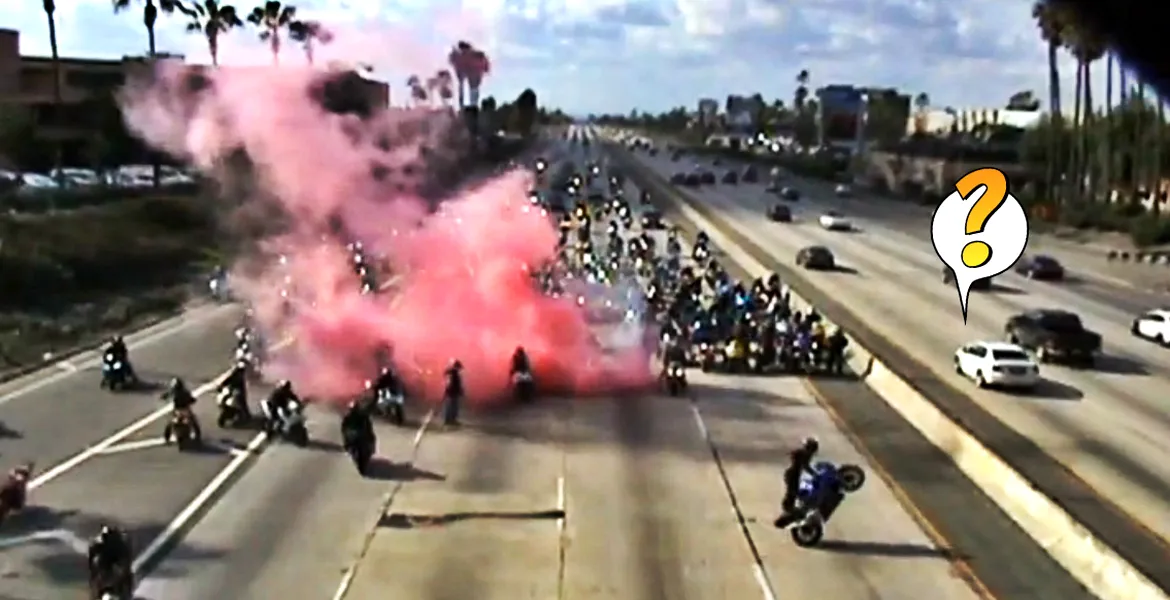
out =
column 273, row 19
column 309, row 34
column 1051, row 20
column 526, row 106
column 50, row 8
column 19, row 142
column 212, row 19
column 150, row 12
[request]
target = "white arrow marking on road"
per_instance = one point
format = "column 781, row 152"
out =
column 64, row 536
column 135, row 445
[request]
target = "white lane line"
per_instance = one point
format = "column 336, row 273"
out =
column 135, row 445
column 81, row 362
column 561, row 505
column 383, row 507
column 188, row 513
column 102, row 446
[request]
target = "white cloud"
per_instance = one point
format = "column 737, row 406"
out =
column 646, row 53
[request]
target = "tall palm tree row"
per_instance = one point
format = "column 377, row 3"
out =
column 1117, row 148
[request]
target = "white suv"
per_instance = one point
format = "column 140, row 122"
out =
column 997, row 364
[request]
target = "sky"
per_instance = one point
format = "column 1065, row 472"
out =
column 611, row 56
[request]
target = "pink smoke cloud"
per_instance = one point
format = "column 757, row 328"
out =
column 462, row 285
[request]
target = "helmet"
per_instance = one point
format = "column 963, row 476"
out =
column 284, row 385
column 811, row 444
column 108, row 533
column 177, row 384
column 455, row 364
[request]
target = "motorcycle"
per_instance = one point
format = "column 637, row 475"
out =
column 676, row 379
column 182, row 427
column 523, row 386
column 232, row 410
column 115, row 375
column 290, row 426
column 360, row 451
column 14, row 494
column 389, row 404
column 818, row 497
column 700, row 253
column 111, row 582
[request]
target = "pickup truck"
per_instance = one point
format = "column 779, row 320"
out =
column 1054, row 334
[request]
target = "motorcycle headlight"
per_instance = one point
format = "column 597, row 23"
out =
column 117, row 366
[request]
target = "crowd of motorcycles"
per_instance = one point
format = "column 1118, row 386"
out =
column 706, row 318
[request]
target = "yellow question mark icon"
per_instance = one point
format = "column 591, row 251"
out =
column 976, row 254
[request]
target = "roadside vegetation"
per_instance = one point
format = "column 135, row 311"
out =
column 1096, row 166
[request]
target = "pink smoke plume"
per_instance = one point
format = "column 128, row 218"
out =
column 462, row 286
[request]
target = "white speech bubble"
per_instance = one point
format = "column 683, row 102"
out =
column 1006, row 232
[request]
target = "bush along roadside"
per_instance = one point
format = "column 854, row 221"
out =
column 73, row 275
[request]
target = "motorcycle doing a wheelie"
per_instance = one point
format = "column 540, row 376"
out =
column 819, row 496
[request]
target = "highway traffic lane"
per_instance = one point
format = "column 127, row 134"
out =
column 873, row 547
column 54, row 416
column 477, row 518
column 1098, row 279
column 138, row 484
column 1106, row 427
column 290, row 527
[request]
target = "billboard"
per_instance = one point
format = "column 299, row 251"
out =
column 741, row 113
column 840, row 111
column 708, row 110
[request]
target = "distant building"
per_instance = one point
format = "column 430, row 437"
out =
column 849, row 116
column 936, row 121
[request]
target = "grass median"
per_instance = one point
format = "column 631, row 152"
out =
column 71, row 277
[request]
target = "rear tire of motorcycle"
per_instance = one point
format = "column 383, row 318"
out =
column 808, row 535
column 852, row 477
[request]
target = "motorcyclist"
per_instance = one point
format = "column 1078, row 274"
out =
column 836, row 345
column 237, row 381
column 673, row 353
column 356, row 426
column 520, row 362
column 279, row 402
column 799, row 462
column 453, row 394
column 117, row 349
column 110, row 559
column 387, row 381
column 181, row 400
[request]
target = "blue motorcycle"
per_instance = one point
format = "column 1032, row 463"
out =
column 819, row 496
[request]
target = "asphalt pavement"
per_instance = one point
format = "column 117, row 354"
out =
column 96, row 461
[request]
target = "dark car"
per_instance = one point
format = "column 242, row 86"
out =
column 676, row 156
column 679, row 179
column 750, row 175
column 707, row 178
column 789, row 194
column 980, row 285
column 780, row 213
column 731, row 178
column 817, row 258
column 652, row 219
column 1040, row 267
column 693, row 180
column 1054, row 333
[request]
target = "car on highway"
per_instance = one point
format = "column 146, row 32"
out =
column 843, row 190
column 1054, row 334
column 1040, row 267
column 707, row 177
column 731, row 178
column 997, row 364
column 816, row 258
column 790, row 194
column 981, row 285
column 678, row 179
column 835, row 221
column 780, row 213
column 1154, row 325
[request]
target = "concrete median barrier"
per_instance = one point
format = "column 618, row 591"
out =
column 1081, row 551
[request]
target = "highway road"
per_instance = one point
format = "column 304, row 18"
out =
column 97, row 453
column 1109, row 425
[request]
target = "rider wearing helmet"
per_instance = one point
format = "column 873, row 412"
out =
column 279, row 402
column 800, row 462
column 120, row 353
column 356, row 425
column 109, row 562
column 181, row 400
column 454, row 392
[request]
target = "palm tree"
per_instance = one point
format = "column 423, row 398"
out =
column 149, row 17
column 272, row 19
column 801, row 96
column 50, row 11
column 921, row 103
column 457, row 58
column 445, row 82
column 1052, row 22
column 1086, row 47
column 418, row 93
column 476, row 67
column 309, row 34
column 212, row 19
